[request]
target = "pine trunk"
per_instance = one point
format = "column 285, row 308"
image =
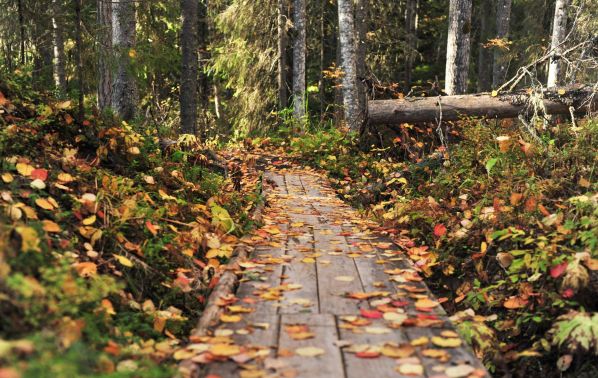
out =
column 21, row 31
column 503, row 20
column 346, row 27
column 283, row 95
column 79, row 52
column 484, row 54
column 559, row 31
column 189, row 69
column 105, row 54
column 361, row 28
column 124, row 87
column 59, row 62
column 410, row 18
column 458, row 46
column 299, row 59
column 204, row 85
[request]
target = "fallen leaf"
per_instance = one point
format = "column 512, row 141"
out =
column 410, row 369
column 515, row 302
column 449, row 342
column 309, row 351
column 230, row 318
column 124, row 261
column 459, row 371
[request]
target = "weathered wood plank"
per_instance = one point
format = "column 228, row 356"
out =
column 324, row 328
column 382, row 367
column 333, row 276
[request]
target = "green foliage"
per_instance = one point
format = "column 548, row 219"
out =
column 576, row 332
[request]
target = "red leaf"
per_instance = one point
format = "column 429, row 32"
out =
column 439, row 230
column 367, row 354
column 371, row 314
column 39, row 173
column 151, row 228
column 557, row 270
column 568, row 293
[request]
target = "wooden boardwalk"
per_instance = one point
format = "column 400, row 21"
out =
column 325, row 296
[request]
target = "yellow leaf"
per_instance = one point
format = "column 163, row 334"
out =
column 420, row 341
column 50, row 226
column 410, row 369
column 132, row 53
column 230, row 318
column 24, row 169
column 449, row 342
column 426, row 303
column 29, row 239
column 239, row 309
column 7, row 177
column 65, row 177
column 63, row 105
column 89, row 221
column 224, row 350
column 44, row 204
column 225, row 251
column 397, row 351
column 86, row 269
column 124, row 261
column 494, row 93
column 309, row 351
column 561, row 91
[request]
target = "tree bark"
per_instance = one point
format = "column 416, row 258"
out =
column 484, row 55
column 410, row 18
column 105, row 54
column 458, row 46
column 361, row 28
column 283, row 93
column 59, row 62
column 124, row 86
column 346, row 27
column 299, row 59
column 79, row 45
column 452, row 108
column 21, row 31
column 204, row 84
column 559, row 31
column 503, row 20
column 189, row 69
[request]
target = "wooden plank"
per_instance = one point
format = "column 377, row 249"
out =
column 259, row 336
column 301, row 273
column 459, row 355
column 331, row 288
column 278, row 180
column 384, row 367
column 324, row 327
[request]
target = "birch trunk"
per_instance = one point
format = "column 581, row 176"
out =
column 458, row 46
column 283, row 95
column 124, row 87
column 59, row 62
column 559, row 30
column 299, row 58
column 189, row 69
column 105, row 53
column 503, row 20
column 346, row 27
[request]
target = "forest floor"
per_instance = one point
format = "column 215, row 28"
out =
column 110, row 245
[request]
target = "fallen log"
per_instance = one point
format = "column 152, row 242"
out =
column 580, row 100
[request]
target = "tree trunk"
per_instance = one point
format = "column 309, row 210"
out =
column 458, row 45
column 204, row 84
column 453, row 108
column 105, row 54
column 503, row 20
column 283, row 94
column 559, row 31
column 346, row 28
column 411, row 38
column 484, row 56
column 79, row 45
column 189, row 69
column 361, row 28
column 59, row 63
column 21, row 30
column 321, row 84
column 299, row 59
column 124, row 87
